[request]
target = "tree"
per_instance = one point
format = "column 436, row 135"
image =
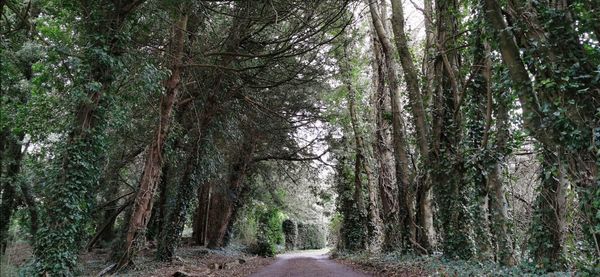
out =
column 142, row 205
column 400, row 148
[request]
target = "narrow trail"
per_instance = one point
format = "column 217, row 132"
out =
column 313, row 263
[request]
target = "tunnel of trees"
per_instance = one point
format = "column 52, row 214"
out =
column 467, row 130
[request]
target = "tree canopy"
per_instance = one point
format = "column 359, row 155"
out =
column 460, row 130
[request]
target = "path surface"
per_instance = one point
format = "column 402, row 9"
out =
column 313, row 263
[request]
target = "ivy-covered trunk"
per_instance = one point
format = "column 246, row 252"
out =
column 362, row 163
column 496, row 181
column 383, row 154
column 406, row 215
column 478, row 123
column 66, row 208
column 11, row 159
column 352, row 232
column 175, row 217
column 548, row 227
column 454, row 194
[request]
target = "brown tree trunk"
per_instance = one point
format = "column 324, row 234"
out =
column 400, row 146
column 228, row 200
column 425, row 231
column 374, row 239
column 142, row 206
column 384, row 156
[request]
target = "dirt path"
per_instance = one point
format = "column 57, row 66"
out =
column 314, row 263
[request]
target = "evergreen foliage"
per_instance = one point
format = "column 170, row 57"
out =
column 464, row 135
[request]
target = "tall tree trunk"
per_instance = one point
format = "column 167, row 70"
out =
column 374, row 224
column 218, row 202
column 547, row 242
column 453, row 191
column 400, row 145
column 13, row 157
column 425, row 230
column 62, row 224
column 384, row 156
column 498, row 205
column 142, row 206
column 170, row 234
column 479, row 107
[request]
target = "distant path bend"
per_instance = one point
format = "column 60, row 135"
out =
column 315, row 263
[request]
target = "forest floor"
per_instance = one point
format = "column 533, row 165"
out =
column 379, row 266
column 192, row 261
column 396, row 264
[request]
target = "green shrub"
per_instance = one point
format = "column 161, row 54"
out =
column 310, row 236
column 291, row 233
column 264, row 248
column 270, row 225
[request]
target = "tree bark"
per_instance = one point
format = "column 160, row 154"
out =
column 218, row 202
column 384, row 155
column 400, row 145
column 549, row 225
column 498, row 203
column 425, row 231
column 142, row 206
column 449, row 169
column 374, row 239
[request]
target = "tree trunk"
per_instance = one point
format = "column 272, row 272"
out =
column 516, row 68
column 549, row 226
column 163, row 194
column 400, row 148
column 13, row 157
column 425, row 231
column 142, row 206
column 498, row 204
column 66, row 209
column 384, row 156
column 170, row 234
column 453, row 191
column 374, row 224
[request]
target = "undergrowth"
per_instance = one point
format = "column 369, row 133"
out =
column 435, row 265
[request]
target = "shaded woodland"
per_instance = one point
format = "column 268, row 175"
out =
column 434, row 129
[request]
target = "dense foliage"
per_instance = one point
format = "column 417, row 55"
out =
column 461, row 132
